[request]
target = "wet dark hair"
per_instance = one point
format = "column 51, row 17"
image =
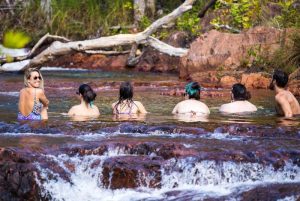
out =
column 240, row 93
column 126, row 93
column 193, row 90
column 87, row 93
column 281, row 78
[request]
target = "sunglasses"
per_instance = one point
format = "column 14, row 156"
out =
column 77, row 92
column 37, row 77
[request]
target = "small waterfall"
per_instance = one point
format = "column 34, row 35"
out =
column 209, row 178
column 185, row 172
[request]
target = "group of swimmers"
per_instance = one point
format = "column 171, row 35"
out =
column 33, row 103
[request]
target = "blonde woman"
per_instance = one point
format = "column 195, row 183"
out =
column 33, row 103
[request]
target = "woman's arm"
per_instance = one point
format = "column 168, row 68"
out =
column 42, row 98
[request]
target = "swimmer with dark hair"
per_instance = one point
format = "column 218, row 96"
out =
column 239, row 101
column 126, row 105
column 86, row 108
column 286, row 103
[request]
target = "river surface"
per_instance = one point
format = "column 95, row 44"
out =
column 157, row 156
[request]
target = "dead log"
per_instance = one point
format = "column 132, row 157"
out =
column 58, row 48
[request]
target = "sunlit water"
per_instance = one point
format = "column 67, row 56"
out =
column 218, row 158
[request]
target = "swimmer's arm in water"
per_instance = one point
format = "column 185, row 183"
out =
column 285, row 106
column 141, row 107
column 42, row 98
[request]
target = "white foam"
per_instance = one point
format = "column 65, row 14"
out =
column 290, row 198
column 10, row 93
column 205, row 178
column 35, row 134
column 49, row 68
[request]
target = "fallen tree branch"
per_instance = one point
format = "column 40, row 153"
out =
column 119, row 27
column 165, row 48
column 43, row 39
column 58, row 48
column 106, row 52
column 132, row 59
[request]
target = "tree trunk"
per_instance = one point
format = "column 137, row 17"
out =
column 139, row 11
column 46, row 6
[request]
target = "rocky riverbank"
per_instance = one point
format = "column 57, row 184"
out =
column 215, row 59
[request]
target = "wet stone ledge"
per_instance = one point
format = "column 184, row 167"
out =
column 131, row 172
column 18, row 177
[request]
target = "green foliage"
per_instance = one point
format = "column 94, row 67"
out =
column 256, row 59
column 15, row 39
column 241, row 14
column 294, row 55
column 287, row 57
column 70, row 18
column 290, row 15
column 244, row 14
column 144, row 23
column 189, row 21
column 94, row 15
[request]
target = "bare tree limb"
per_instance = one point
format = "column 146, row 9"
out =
column 206, row 7
column 58, row 48
column 43, row 39
column 106, row 52
column 187, row 5
column 165, row 48
column 132, row 59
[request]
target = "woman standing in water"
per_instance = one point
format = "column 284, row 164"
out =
column 86, row 108
column 193, row 105
column 125, row 104
column 240, row 103
column 33, row 103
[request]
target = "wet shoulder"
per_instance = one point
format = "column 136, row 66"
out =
column 137, row 103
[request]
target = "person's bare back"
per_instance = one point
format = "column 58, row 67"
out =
column 287, row 104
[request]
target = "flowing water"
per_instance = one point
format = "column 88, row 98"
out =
column 157, row 156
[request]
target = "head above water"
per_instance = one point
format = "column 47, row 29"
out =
column 281, row 79
column 192, row 89
column 87, row 93
column 126, row 91
column 33, row 78
column 240, row 92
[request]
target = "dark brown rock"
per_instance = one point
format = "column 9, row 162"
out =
column 154, row 61
column 17, row 177
column 131, row 172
